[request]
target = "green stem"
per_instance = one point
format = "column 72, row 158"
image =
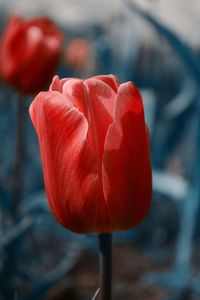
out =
column 105, row 263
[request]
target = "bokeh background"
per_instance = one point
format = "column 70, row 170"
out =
column 156, row 44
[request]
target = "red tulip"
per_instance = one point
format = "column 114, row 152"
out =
column 77, row 53
column 95, row 153
column 29, row 54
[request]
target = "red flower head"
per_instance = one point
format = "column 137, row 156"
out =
column 29, row 54
column 95, row 153
column 77, row 53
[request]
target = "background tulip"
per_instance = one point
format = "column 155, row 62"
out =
column 95, row 153
column 29, row 53
column 77, row 53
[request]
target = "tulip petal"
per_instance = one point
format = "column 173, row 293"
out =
column 73, row 91
column 111, row 80
column 46, row 25
column 12, row 48
column 69, row 164
column 57, row 84
column 126, row 163
column 100, row 102
column 37, row 46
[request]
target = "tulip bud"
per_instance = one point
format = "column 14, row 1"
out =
column 94, row 146
column 30, row 51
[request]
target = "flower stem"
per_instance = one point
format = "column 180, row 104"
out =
column 105, row 263
column 19, row 156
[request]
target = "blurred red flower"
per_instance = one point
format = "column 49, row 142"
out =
column 30, row 51
column 77, row 53
column 95, row 153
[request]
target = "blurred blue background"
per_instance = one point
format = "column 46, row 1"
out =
column 156, row 44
